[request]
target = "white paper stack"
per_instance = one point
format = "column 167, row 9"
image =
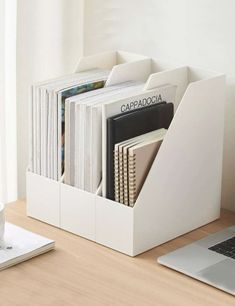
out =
column 68, row 117
column 20, row 245
column 47, row 106
column 83, row 113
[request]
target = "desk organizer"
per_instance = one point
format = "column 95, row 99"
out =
column 183, row 188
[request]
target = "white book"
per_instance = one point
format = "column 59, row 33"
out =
column 38, row 132
column 138, row 100
column 85, row 134
column 20, row 245
column 42, row 113
column 40, row 119
column 95, row 79
column 92, row 153
column 32, row 127
column 70, row 166
column 49, row 137
column 80, row 105
column 67, row 144
column 31, row 136
column 44, row 128
column 52, row 90
column 35, row 116
column 69, row 152
column 66, row 107
column 55, row 160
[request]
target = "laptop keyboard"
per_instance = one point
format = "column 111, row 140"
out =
column 226, row 248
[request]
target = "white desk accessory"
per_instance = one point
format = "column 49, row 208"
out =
column 18, row 244
column 183, row 188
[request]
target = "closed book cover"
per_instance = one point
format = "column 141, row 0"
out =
column 135, row 142
column 129, row 125
column 118, row 166
column 140, row 159
column 122, row 166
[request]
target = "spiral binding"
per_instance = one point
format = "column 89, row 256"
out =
column 132, row 179
column 125, row 178
column 121, row 193
column 116, row 176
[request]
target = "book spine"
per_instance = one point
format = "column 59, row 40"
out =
column 125, row 179
column 121, row 188
column 67, row 146
column 116, row 176
column 38, row 134
column 109, row 160
column 31, row 131
column 132, row 179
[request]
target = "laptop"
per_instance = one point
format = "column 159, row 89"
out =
column 210, row 260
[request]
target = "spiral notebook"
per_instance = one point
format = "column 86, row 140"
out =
column 140, row 159
column 121, row 164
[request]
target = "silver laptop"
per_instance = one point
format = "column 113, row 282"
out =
column 210, row 260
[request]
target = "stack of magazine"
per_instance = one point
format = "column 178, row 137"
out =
column 95, row 137
column 47, row 118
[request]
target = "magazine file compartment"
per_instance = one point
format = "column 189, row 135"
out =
column 43, row 198
column 123, row 66
column 182, row 190
column 77, row 211
column 107, row 60
column 114, row 225
column 178, row 76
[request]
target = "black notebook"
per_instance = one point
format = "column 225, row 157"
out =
column 130, row 124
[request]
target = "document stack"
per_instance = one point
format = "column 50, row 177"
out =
column 76, row 122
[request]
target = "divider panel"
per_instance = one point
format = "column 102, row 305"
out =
column 43, row 198
column 78, row 211
column 182, row 190
column 114, row 225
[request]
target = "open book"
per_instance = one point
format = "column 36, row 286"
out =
column 20, row 245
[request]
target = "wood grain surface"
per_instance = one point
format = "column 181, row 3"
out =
column 81, row 272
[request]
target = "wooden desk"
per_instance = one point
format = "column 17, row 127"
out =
column 80, row 272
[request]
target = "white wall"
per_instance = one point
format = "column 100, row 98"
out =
column 49, row 44
column 8, row 143
column 194, row 32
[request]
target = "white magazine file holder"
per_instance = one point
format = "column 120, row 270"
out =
column 183, row 188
